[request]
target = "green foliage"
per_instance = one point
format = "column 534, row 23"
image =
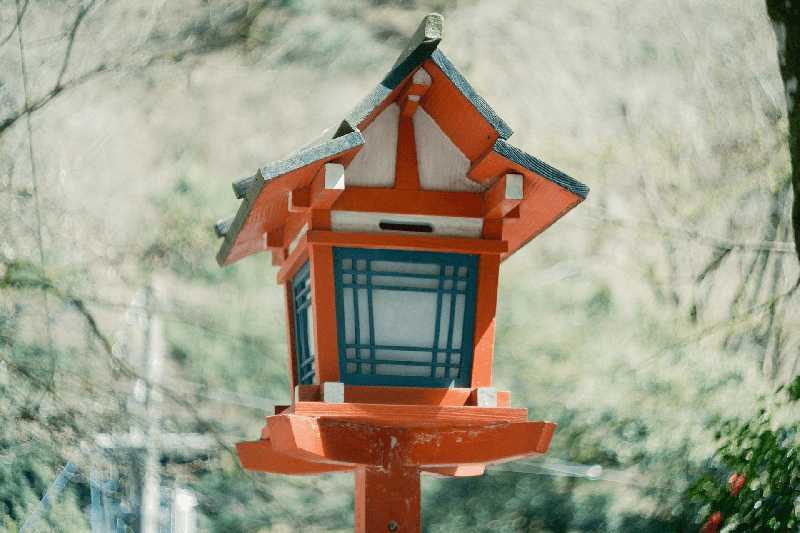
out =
column 24, row 479
column 767, row 453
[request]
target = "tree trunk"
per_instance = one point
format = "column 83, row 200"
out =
column 785, row 16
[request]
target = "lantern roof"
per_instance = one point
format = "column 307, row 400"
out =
column 461, row 147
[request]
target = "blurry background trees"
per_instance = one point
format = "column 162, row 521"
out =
column 659, row 307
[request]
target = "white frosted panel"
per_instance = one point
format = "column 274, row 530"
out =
column 453, row 372
column 440, row 372
column 352, row 368
column 455, row 358
column 403, row 370
column 310, row 330
column 362, row 222
column 399, row 281
column 458, row 321
column 402, row 355
column 363, row 315
column 444, row 321
column 349, row 317
column 404, row 268
column 404, row 318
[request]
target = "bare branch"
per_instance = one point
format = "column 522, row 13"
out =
column 22, row 10
column 72, row 33
column 695, row 236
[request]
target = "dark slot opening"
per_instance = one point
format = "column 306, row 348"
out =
column 405, row 226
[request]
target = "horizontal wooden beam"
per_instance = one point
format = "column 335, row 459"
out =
column 327, row 185
column 504, row 196
column 414, row 202
column 409, row 415
column 261, row 456
column 408, row 242
column 456, row 471
column 366, row 443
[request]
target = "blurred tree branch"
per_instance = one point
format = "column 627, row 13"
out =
column 21, row 14
column 785, row 16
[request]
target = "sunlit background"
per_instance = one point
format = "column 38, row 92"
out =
column 655, row 309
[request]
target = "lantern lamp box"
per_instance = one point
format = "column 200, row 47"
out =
column 389, row 231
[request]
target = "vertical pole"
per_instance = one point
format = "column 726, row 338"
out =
column 388, row 499
column 151, row 493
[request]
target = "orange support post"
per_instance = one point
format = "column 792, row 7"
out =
column 388, row 499
column 322, row 283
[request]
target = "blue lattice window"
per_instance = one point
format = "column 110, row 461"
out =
column 405, row 318
column 303, row 325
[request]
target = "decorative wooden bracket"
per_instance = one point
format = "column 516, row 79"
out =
column 406, row 172
column 501, row 202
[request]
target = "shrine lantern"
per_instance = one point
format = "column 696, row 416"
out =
column 389, row 231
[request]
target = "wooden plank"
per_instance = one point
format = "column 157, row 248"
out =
column 261, row 456
column 503, row 196
column 406, row 174
column 265, row 206
column 406, row 395
column 327, row 186
column 416, row 202
column 455, row 471
column 545, row 197
column 326, row 354
column 295, row 261
column 454, row 446
column 290, row 336
column 408, row 242
column 387, row 499
column 485, row 311
column 459, row 111
column 351, row 442
column 405, row 415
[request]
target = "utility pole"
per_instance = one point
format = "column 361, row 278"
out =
column 151, row 494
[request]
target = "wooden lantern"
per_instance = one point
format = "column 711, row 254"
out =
column 389, row 231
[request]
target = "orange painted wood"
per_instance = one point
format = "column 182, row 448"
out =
column 290, row 336
column 320, row 219
column 543, row 202
column 415, row 202
column 261, row 456
column 294, row 262
column 454, row 446
column 406, row 172
column 268, row 211
column 496, row 203
column 321, row 197
column 403, row 396
column 456, row 116
column 403, row 415
column 503, row 399
column 350, row 442
column 300, row 199
column 406, row 395
column 485, row 311
column 309, row 393
column 455, row 471
column 326, row 354
column 408, row 242
column 281, row 408
column 387, row 499
column 492, row 228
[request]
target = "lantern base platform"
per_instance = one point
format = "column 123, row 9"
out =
column 314, row 438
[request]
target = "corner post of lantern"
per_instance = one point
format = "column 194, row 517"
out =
column 389, row 231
